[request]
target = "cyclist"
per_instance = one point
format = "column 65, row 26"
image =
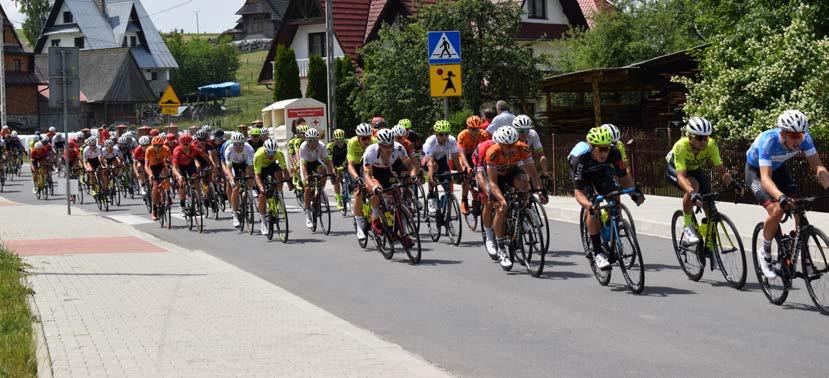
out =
column 412, row 136
column 238, row 160
column 293, row 149
column 312, row 157
column 337, row 149
column 255, row 139
column 172, row 143
column 71, row 153
column 526, row 134
column 769, row 179
column 59, row 143
column 438, row 150
column 156, row 163
column 38, row 160
column 684, row 171
column 5, row 132
column 187, row 160
column 110, row 158
column 138, row 158
column 467, row 141
column 378, row 162
column 268, row 161
column 593, row 172
column 90, row 158
column 479, row 161
column 509, row 164
column 125, row 146
column 354, row 157
column 378, row 123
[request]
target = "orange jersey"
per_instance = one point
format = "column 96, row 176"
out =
column 407, row 145
column 157, row 158
column 495, row 157
column 467, row 142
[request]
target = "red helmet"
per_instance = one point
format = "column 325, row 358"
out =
column 157, row 140
column 171, row 137
column 185, row 139
column 73, row 143
column 154, row 132
column 378, row 122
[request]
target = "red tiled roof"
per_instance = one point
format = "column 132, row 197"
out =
column 588, row 7
column 350, row 18
column 374, row 13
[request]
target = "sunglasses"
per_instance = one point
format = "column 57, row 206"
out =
column 602, row 148
column 441, row 134
column 796, row 135
column 701, row 138
column 523, row 131
column 238, row 143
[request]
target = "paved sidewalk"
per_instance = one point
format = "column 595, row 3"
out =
column 123, row 303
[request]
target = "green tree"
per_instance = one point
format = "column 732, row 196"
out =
column 631, row 31
column 317, row 79
column 36, row 12
column 201, row 62
column 285, row 74
column 347, row 85
column 756, row 69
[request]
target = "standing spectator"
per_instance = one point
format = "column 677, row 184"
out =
column 489, row 114
column 504, row 117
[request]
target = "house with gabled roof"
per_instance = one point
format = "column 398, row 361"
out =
column 22, row 79
column 106, row 24
column 258, row 19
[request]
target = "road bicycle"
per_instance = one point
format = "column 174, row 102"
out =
column 397, row 224
column 194, row 205
column 446, row 214
column 619, row 241
column 525, row 232
column 805, row 243
column 245, row 213
column 719, row 242
column 320, row 209
column 275, row 213
column 41, row 182
column 164, row 209
column 475, row 209
column 366, row 206
column 345, row 185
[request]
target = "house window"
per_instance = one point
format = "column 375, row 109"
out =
column 316, row 44
column 79, row 42
column 67, row 18
column 153, row 75
column 55, row 43
column 537, row 8
column 133, row 41
column 16, row 65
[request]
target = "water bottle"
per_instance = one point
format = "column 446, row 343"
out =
column 389, row 218
column 605, row 216
column 366, row 209
column 606, row 231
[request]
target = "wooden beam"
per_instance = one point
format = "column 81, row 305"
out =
column 597, row 104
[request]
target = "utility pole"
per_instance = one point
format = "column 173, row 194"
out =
column 3, row 72
column 197, row 21
column 332, row 84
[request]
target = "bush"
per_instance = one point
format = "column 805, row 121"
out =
column 317, row 79
column 285, row 74
column 201, row 62
column 458, row 120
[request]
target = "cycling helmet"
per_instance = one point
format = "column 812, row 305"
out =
column 301, row 129
column 185, row 139
column 378, row 122
column 171, row 136
column 90, row 141
column 255, row 131
column 599, row 136
column 154, row 132
column 270, row 146
column 363, row 130
column 14, row 133
column 264, row 131
column 144, row 140
column 5, row 127
column 442, row 126
column 385, row 136
column 158, row 140
column 109, row 143
column 52, row 129
column 237, row 137
column 473, row 122
column 37, row 138
column 506, row 135
column 218, row 134
column 615, row 135
column 124, row 139
column 399, row 131
column 339, row 134
column 793, row 120
column 201, row 135
column 312, row 133
column 38, row 145
column 405, row 122
column 58, row 137
column 206, row 128
column 699, row 126
column 522, row 122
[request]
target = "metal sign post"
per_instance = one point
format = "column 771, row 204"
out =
column 66, row 134
column 64, row 92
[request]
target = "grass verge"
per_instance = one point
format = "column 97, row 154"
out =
column 17, row 344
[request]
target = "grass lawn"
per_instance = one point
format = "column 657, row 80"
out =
column 248, row 106
column 17, row 345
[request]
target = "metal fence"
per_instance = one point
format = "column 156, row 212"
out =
column 646, row 152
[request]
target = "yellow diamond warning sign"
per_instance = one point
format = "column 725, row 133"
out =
column 445, row 80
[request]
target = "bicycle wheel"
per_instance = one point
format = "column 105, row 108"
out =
column 168, row 210
column 324, row 213
column 585, row 235
column 160, row 213
column 452, row 219
column 198, row 207
column 242, row 211
column 776, row 290
column 384, row 243
column 729, row 252
column 628, row 216
column 542, row 216
column 116, row 194
column 79, row 194
column 471, row 216
column 251, row 214
column 364, row 242
column 630, row 257
column 408, row 232
column 689, row 260
column 433, row 223
column 420, row 199
column 817, row 281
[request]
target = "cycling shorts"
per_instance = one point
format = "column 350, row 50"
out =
column 781, row 178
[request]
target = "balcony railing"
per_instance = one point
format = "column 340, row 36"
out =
column 303, row 65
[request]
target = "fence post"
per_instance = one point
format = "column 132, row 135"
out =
column 555, row 172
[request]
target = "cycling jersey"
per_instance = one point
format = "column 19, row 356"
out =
column 110, row 154
column 407, row 145
column 184, row 158
column 308, row 155
column 39, row 154
column 582, row 148
column 256, row 143
column 768, row 150
column 231, row 156
column 89, row 153
column 432, row 148
column 479, row 156
column 355, row 149
column 372, row 158
column 337, row 153
column 71, row 153
column 496, row 158
column 261, row 160
column 414, row 137
column 467, row 142
column 683, row 158
column 156, row 156
column 584, row 170
column 534, row 141
column 294, row 144
column 139, row 154
column 222, row 149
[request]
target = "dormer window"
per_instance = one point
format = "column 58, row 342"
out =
column 133, row 41
column 67, row 18
column 537, row 9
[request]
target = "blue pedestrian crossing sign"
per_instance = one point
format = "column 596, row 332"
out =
column 444, row 47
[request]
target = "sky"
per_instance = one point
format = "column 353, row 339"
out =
column 215, row 16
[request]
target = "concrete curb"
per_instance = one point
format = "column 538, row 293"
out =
column 44, row 358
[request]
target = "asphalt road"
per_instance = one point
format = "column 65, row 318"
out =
column 460, row 311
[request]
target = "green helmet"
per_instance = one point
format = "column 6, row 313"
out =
column 301, row 129
column 339, row 134
column 599, row 136
column 442, row 126
column 405, row 122
column 255, row 131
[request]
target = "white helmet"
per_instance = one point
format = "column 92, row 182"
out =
column 385, row 136
column 312, row 133
column 522, row 122
column 52, row 129
column 109, row 143
column 144, row 140
column 615, row 135
column 399, row 131
column 363, row 130
column 237, row 137
column 38, row 145
column 124, row 139
column 506, row 135
column 270, row 146
column 699, row 126
column 793, row 120
column 91, row 141
column 14, row 133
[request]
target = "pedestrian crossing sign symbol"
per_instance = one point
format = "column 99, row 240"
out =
column 445, row 80
column 444, row 47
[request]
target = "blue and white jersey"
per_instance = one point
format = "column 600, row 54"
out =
column 581, row 148
column 222, row 149
column 768, row 150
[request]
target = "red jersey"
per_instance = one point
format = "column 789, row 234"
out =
column 183, row 159
column 139, row 154
column 71, row 153
column 479, row 156
column 39, row 154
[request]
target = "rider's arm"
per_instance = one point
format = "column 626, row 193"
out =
column 494, row 190
column 820, row 170
column 371, row 182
